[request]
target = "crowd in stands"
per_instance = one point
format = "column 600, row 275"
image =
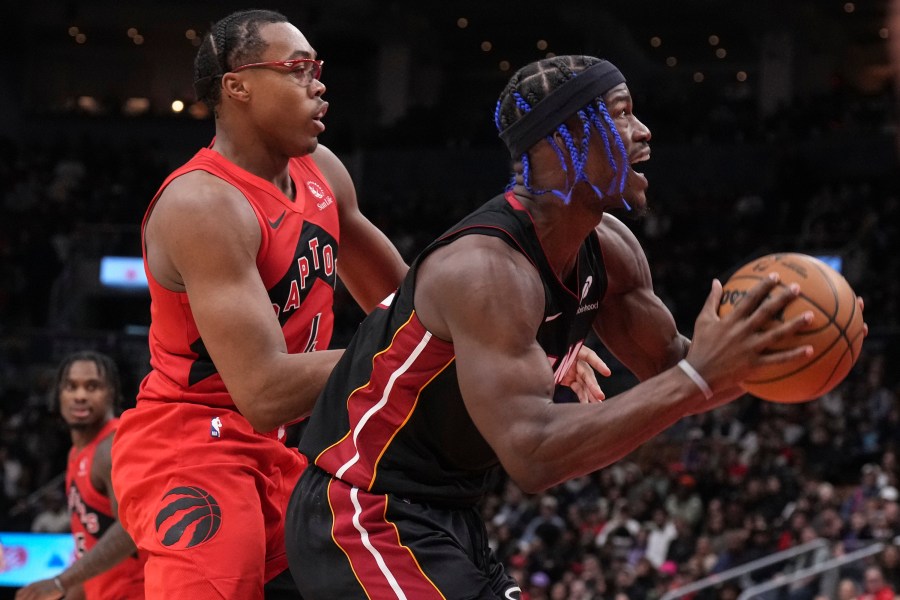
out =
column 713, row 492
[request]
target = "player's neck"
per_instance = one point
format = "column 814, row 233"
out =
column 561, row 227
column 253, row 157
column 82, row 436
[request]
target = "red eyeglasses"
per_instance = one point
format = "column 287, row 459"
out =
column 304, row 70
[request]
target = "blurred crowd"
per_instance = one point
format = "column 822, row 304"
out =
column 714, row 492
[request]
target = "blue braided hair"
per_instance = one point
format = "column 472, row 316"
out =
column 528, row 86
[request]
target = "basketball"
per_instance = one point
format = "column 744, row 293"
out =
column 835, row 333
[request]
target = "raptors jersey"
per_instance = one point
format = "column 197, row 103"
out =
column 296, row 260
column 92, row 515
column 391, row 418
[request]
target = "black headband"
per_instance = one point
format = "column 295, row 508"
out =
column 559, row 105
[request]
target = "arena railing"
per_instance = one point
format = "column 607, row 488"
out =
column 828, row 565
column 739, row 571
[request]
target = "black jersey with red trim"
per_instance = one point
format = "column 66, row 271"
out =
column 391, row 418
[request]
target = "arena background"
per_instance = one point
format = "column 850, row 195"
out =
column 774, row 128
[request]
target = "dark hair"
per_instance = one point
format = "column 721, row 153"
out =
column 106, row 366
column 534, row 82
column 230, row 42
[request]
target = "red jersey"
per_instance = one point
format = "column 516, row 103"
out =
column 296, row 260
column 92, row 515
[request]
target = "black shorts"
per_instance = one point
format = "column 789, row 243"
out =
column 346, row 543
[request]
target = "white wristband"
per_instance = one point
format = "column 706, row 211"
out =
column 58, row 583
column 696, row 378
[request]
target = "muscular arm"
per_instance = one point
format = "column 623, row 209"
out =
column 633, row 323
column 368, row 263
column 202, row 238
column 488, row 300
column 113, row 547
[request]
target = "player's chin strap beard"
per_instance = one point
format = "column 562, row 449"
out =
column 559, row 105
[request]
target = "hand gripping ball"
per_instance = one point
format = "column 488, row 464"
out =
column 835, row 333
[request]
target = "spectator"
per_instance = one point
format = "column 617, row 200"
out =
column 857, row 533
column 874, row 585
column 847, row 589
column 548, row 525
column 684, row 502
column 617, row 537
column 661, row 532
column 809, row 587
column 54, row 515
column 889, row 561
column 12, row 475
column 704, row 555
column 866, row 489
column 684, row 544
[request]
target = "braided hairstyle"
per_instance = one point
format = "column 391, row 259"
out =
column 106, row 368
column 232, row 41
column 531, row 84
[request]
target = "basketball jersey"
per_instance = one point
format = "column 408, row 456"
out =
column 91, row 516
column 391, row 418
column 297, row 263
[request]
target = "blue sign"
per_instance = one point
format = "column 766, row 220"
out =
column 27, row 557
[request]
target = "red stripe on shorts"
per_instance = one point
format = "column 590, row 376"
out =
column 383, row 566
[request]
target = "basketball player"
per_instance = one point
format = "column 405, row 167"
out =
column 242, row 246
column 107, row 564
column 455, row 375
column 241, row 250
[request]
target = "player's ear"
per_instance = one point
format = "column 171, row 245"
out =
column 234, row 86
column 558, row 140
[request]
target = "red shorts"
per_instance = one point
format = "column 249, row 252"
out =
column 205, row 496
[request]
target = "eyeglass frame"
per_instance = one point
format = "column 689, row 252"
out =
column 288, row 64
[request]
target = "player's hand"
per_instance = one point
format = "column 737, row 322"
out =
column 725, row 351
column 582, row 376
column 862, row 308
column 44, row 589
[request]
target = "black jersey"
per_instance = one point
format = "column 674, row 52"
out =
column 391, row 418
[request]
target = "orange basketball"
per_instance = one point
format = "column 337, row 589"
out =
column 835, row 333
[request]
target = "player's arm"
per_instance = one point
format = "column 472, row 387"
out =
column 634, row 323
column 113, row 547
column 489, row 301
column 46, row 589
column 368, row 263
column 203, row 237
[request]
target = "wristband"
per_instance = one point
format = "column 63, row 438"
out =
column 59, row 585
column 696, row 377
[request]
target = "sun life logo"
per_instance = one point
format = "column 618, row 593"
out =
column 315, row 189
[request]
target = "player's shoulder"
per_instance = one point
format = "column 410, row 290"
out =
column 487, row 260
column 616, row 236
column 198, row 197
column 103, row 453
column 335, row 172
column 323, row 153
column 328, row 162
column 198, row 186
column 610, row 225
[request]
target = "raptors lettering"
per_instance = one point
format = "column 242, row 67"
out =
column 315, row 259
column 88, row 517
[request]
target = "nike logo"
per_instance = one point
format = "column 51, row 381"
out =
column 277, row 221
column 552, row 317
